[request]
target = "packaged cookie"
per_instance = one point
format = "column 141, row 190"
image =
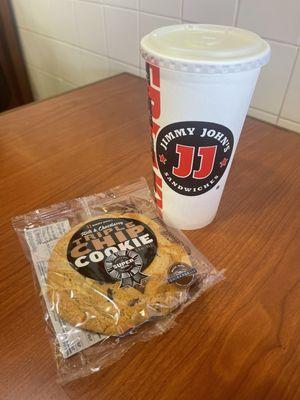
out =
column 110, row 274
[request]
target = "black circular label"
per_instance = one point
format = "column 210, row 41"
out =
column 182, row 274
column 192, row 156
column 113, row 249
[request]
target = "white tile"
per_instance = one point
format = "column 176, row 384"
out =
column 27, row 44
column 47, row 58
column 143, row 73
column 150, row 22
column 90, row 20
column 117, row 67
column 58, row 59
column 40, row 52
column 142, row 64
column 123, row 3
column 273, row 19
column 170, row 8
column 63, row 21
column 36, row 82
column 122, row 34
column 273, row 80
column 45, row 85
column 22, row 12
column 290, row 125
column 291, row 106
column 63, row 86
column 94, row 67
column 53, row 86
column 42, row 20
column 70, row 63
column 209, row 11
column 263, row 116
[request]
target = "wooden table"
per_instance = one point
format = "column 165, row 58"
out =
column 241, row 340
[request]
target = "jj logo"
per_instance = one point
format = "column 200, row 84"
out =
column 186, row 159
column 192, row 156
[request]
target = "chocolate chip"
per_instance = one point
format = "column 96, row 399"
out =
column 140, row 288
column 133, row 302
column 110, row 293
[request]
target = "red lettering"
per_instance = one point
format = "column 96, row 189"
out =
column 185, row 161
column 154, row 128
column 207, row 155
column 155, row 110
column 154, row 162
column 154, row 75
column 154, row 96
column 158, row 191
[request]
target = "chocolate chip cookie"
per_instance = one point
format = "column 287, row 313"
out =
column 111, row 273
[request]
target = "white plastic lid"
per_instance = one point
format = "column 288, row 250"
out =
column 205, row 48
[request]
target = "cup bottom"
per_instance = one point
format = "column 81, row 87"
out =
column 190, row 226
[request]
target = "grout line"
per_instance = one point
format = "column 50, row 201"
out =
column 76, row 46
column 106, row 37
column 178, row 19
column 290, row 120
column 30, row 65
column 287, row 86
column 261, row 110
column 181, row 11
column 122, row 62
column 122, row 8
column 75, row 2
column 80, row 48
column 279, row 42
column 236, row 12
column 153, row 14
column 78, row 34
column 109, row 5
column 77, row 84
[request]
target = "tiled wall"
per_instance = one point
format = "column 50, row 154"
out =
column 68, row 43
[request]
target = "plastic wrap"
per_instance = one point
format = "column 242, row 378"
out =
column 109, row 274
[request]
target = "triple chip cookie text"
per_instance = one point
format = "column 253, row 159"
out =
column 97, row 243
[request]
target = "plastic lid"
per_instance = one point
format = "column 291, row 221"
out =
column 205, row 48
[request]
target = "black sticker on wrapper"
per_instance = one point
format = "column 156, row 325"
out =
column 192, row 156
column 109, row 250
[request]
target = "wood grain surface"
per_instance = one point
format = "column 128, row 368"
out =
column 241, row 340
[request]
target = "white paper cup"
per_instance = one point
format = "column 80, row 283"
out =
column 200, row 82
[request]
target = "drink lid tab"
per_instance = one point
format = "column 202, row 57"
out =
column 212, row 49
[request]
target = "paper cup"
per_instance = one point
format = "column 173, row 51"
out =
column 200, row 82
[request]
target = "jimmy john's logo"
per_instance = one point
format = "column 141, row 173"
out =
column 192, row 156
column 113, row 249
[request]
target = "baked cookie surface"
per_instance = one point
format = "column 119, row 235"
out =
column 110, row 273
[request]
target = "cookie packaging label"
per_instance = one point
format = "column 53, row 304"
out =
column 41, row 242
column 113, row 249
